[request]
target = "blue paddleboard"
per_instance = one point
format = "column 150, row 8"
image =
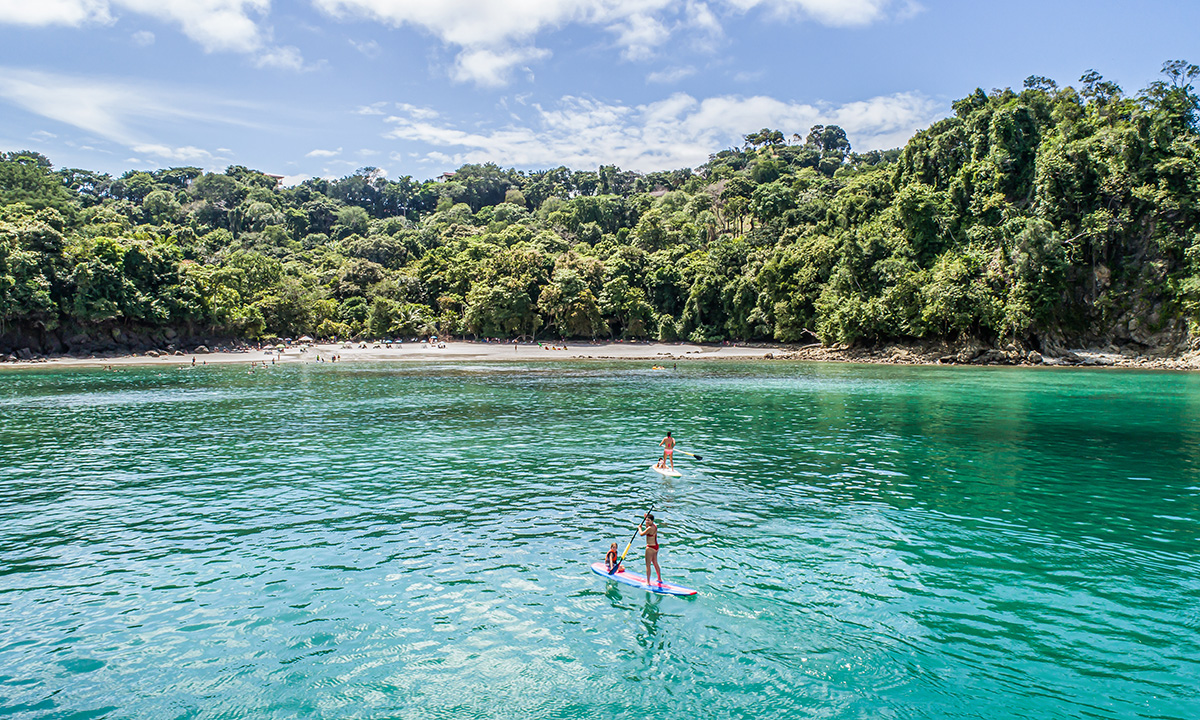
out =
column 638, row 581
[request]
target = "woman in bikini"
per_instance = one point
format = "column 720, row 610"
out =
column 650, row 531
column 668, row 446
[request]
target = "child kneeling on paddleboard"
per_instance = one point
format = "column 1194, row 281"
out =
column 612, row 560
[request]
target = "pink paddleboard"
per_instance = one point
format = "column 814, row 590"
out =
column 640, row 582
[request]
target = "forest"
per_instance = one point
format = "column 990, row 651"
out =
column 1039, row 216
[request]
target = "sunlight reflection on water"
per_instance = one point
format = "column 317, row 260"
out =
column 376, row 541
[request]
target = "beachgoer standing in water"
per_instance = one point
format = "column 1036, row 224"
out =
column 650, row 531
column 668, row 446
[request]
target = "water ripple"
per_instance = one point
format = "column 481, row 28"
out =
column 364, row 541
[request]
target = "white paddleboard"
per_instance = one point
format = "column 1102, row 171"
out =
column 624, row 576
column 666, row 471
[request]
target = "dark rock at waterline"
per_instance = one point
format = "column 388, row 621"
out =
column 991, row 357
column 201, row 350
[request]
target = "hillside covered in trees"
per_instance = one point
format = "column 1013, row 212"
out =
column 1040, row 217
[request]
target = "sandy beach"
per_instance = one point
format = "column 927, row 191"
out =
column 653, row 352
column 409, row 352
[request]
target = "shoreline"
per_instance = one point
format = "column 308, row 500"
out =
column 657, row 352
column 464, row 350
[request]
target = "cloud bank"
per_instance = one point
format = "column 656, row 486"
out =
column 494, row 38
column 490, row 39
column 675, row 132
column 215, row 25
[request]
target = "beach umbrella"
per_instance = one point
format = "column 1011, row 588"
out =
column 305, row 339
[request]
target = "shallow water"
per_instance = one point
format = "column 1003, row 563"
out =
column 377, row 541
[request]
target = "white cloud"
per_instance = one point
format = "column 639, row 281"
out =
column 491, row 38
column 188, row 153
column 677, row 131
column 324, row 153
column 126, row 114
column 421, row 113
column 372, row 109
column 494, row 38
column 143, row 38
column 640, row 35
column 748, row 76
column 294, row 180
column 54, row 12
column 216, row 25
column 492, row 68
column 369, row 48
column 283, row 58
column 838, row 13
column 670, row 76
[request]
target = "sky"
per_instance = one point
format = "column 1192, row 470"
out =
column 321, row 88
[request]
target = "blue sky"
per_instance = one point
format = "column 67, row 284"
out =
column 415, row 87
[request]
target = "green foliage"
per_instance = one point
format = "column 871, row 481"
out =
column 1063, row 210
column 26, row 177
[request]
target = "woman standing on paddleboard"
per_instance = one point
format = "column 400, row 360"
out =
column 668, row 446
column 650, row 531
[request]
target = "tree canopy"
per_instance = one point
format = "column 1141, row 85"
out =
column 1067, row 211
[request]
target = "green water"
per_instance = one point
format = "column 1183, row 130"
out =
column 392, row 541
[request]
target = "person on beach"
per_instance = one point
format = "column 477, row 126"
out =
column 612, row 559
column 668, row 446
column 650, row 531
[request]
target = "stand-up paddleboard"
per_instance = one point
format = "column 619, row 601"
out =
column 669, row 472
column 638, row 581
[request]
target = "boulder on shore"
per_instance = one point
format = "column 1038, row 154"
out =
column 201, row 350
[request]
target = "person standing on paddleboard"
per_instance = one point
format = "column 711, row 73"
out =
column 650, row 531
column 668, row 446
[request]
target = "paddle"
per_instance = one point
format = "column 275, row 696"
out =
column 635, row 534
column 685, row 452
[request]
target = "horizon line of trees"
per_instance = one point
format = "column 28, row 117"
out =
column 1048, row 211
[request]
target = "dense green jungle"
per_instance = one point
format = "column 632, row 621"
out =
column 1038, row 217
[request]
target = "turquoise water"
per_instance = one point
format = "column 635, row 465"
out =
column 395, row 541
